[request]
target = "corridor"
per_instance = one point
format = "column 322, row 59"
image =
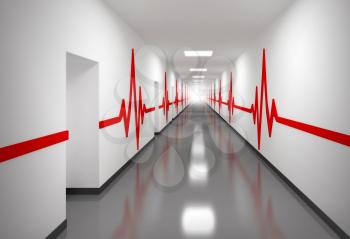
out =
column 163, row 119
column 196, row 179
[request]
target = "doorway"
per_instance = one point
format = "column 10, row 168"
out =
column 82, row 122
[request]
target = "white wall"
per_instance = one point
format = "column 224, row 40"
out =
column 113, row 145
column 35, row 38
column 308, row 75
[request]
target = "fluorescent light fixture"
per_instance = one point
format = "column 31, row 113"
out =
column 199, row 53
column 198, row 69
column 198, row 77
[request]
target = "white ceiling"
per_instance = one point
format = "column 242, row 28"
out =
column 225, row 26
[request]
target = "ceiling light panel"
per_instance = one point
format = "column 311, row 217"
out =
column 198, row 53
column 198, row 69
column 198, row 77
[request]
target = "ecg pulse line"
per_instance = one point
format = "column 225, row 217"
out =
column 166, row 103
column 140, row 109
column 256, row 110
column 165, row 100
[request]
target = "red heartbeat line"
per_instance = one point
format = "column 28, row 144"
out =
column 140, row 109
column 256, row 109
column 166, row 103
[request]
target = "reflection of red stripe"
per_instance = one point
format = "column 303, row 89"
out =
column 19, row 149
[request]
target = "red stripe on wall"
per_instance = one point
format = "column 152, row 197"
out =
column 19, row 149
column 140, row 109
column 256, row 110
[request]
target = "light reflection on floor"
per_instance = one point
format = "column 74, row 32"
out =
column 198, row 220
column 197, row 180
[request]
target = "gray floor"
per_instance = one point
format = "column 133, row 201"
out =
column 197, row 179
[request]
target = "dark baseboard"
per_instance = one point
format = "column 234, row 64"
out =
column 166, row 126
column 324, row 217
column 158, row 133
column 96, row 191
column 183, row 110
column 60, row 228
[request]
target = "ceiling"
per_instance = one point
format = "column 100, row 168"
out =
column 224, row 26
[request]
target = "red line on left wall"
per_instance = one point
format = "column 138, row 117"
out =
column 19, row 149
column 134, row 104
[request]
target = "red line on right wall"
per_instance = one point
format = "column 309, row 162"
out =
column 256, row 110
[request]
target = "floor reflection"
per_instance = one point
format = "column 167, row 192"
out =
column 132, row 210
column 197, row 179
column 198, row 220
column 199, row 164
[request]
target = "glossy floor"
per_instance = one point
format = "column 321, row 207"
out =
column 197, row 179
